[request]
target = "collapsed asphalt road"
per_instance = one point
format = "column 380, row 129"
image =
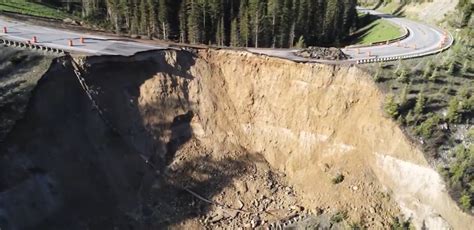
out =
column 422, row 40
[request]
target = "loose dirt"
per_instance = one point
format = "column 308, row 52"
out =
column 215, row 139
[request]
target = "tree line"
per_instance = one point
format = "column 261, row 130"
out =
column 256, row 23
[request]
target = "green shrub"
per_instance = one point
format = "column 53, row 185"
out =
column 428, row 127
column 391, row 107
column 398, row 224
column 420, row 103
column 453, row 115
column 434, row 75
column 410, row 118
column 403, row 77
column 427, row 70
column 404, row 95
column 338, row 217
column 465, row 202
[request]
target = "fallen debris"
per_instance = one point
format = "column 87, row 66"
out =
column 322, row 53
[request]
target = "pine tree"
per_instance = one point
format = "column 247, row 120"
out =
column 453, row 115
column 465, row 67
column 259, row 23
column 420, row 104
column 403, row 76
column 234, row 33
column 427, row 70
column 404, row 95
column 410, row 118
column 152, row 18
column 194, row 22
column 163, row 19
column 143, row 17
column 183, row 25
column 391, row 107
column 244, row 23
column 450, row 70
column 135, row 24
column 434, row 75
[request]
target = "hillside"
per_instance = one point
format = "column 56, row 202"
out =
column 233, row 137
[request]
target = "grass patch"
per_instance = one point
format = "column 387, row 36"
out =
column 378, row 31
column 34, row 9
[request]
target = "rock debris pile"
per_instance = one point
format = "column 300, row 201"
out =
column 322, row 53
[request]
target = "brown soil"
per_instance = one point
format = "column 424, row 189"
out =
column 234, row 140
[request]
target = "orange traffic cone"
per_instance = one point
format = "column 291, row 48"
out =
column 70, row 43
column 34, row 40
column 81, row 40
column 5, row 30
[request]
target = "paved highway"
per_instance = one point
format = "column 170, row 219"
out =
column 59, row 38
column 423, row 39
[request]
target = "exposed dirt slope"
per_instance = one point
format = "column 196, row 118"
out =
column 313, row 121
column 261, row 135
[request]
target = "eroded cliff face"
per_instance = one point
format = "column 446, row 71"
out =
column 239, row 129
column 314, row 121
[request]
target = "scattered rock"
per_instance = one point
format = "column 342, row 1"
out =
column 255, row 221
column 322, row 53
column 372, row 210
column 240, row 204
column 217, row 216
column 241, row 187
column 71, row 21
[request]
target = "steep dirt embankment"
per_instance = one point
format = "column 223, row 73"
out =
column 314, row 121
column 204, row 122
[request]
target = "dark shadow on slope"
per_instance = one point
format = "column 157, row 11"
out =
column 379, row 4
column 99, row 175
column 400, row 9
column 181, row 132
column 171, row 204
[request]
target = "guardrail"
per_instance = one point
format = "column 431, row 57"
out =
column 387, row 42
column 31, row 46
column 401, row 57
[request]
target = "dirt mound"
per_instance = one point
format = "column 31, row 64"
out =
column 209, row 140
column 322, row 53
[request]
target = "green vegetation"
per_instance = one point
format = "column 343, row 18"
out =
column 391, row 107
column 398, row 224
column 427, row 128
column 433, row 99
column 32, row 8
column 460, row 173
column 338, row 217
column 378, row 31
column 257, row 23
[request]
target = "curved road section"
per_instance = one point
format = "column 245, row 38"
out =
column 422, row 40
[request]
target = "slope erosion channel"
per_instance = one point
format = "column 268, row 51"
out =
column 215, row 139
